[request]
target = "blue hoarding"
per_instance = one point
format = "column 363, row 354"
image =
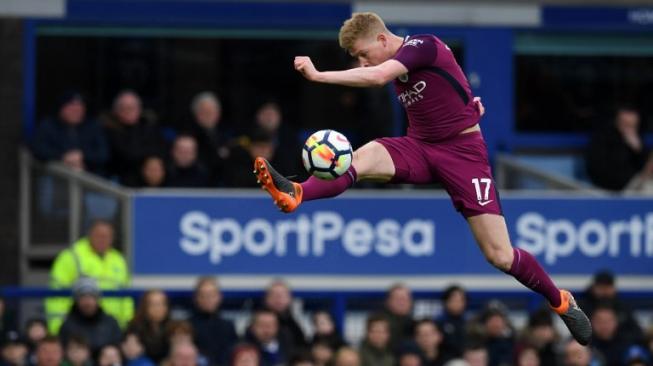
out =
column 381, row 235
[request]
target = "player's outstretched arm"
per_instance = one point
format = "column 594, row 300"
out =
column 378, row 75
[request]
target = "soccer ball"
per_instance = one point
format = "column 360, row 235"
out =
column 327, row 154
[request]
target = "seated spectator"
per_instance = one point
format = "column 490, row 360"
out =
column 475, row 354
column 92, row 256
column 49, row 352
column 322, row 352
column 375, row 349
column 347, row 356
column 183, row 354
column 278, row 299
column 72, row 138
column 541, row 335
column 452, row 322
column 77, row 352
column 14, row 350
column 398, row 310
column 184, row 169
column 325, row 330
column 245, row 355
column 603, row 291
column 210, row 133
column 238, row 166
column 152, row 173
column 35, row 331
column 133, row 350
column 274, row 345
column 269, row 117
column 606, row 339
column 410, row 358
column 109, row 355
column 150, row 323
column 616, row 153
column 131, row 137
column 428, row 339
column 214, row 335
column 301, row 360
column 575, row 354
column 527, row 356
column 498, row 334
column 181, row 331
column 87, row 319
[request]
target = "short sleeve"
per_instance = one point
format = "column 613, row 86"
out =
column 417, row 52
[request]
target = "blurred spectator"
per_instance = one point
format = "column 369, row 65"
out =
column 181, row 331
column 278, row 299
column 325, row 330
column 398, row 310
column 49, row 352
column 286, row 144
column 14, row 350
column 245, row 355
column 133, row 350
column 238, row 166
column 527, row 356
column 606, row 338
column 35, row 331
column 150, row 323
column 617, row 154
column 375, row 349
column 452, row 322
column 77, row 352
column 541, row 335
column 92, row 256
column 347, row 356
column 214, row 335
column 87, row 319
column 183, row 354
column 577, row 355
column 131, row 137
column 410, row 358
column 301, row 359
column 428, row 339
column 273, row 343
column 476, row 354
column 109, row 355
column 637, row 356
column 185, row 170
column 498, row 334
column 72, row 138
column 210, row 134
column 603, row 291
column 322, row 352
column 152, row 173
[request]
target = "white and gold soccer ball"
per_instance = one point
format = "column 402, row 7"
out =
column 327, row 154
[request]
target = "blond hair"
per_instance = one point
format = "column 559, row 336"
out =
column 360, row 25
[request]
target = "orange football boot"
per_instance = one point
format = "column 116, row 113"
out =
column 287, row 195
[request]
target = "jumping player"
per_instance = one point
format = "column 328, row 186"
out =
column 444, row 143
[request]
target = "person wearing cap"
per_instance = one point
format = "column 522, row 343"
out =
column 14, row 350
column 87, row 319
column 91, row 256
column 71, row 137
column 603, row 291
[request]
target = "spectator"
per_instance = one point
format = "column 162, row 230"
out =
column 14, row 350
column 109, row 355
column 152, row 173
column 541, row 335
column 498, row 334
column 637, row 356
column 49, row 352
column 131, row 137
column 150, row 323
column 476, row 355
column 375, row 349
column 452, row 321
column 301, row 360
column 617, row 154
column 606, row 338
column 322, row 352
column 181, row 331
column 214, row 335
column 78, row 352
column 577, row 355
column 603, row 291
column 210, row 133
column 87, row 319
column 347, row 356
column 72, row 138
column 183, row 354
column 245, row 355
column 428, row 339
column 527, row 356
column 274, row 345
column 133, row 350
column 92, row 256
column 325, row 330
column 184, row 169
column 238, row 166
column 269, row 117
column 35, row 331
column 398, row 311
column 409, row 358
column 278, row 299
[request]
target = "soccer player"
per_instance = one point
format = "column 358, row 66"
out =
column 444, row 143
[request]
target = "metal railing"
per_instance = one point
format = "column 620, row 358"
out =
column 63, row 185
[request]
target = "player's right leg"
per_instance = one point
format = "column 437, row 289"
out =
column 371, row 161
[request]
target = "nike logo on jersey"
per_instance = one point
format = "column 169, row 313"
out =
column 483, row 203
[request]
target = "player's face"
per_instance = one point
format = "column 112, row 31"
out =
column 370, row 51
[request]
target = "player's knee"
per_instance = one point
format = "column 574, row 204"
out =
column 501, row 259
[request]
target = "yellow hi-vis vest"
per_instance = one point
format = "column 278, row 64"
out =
column 80, row 260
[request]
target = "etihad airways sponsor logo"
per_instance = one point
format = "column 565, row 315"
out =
column 413, row 94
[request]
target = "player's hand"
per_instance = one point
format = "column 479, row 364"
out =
column 479, row 105
column 305, row 66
